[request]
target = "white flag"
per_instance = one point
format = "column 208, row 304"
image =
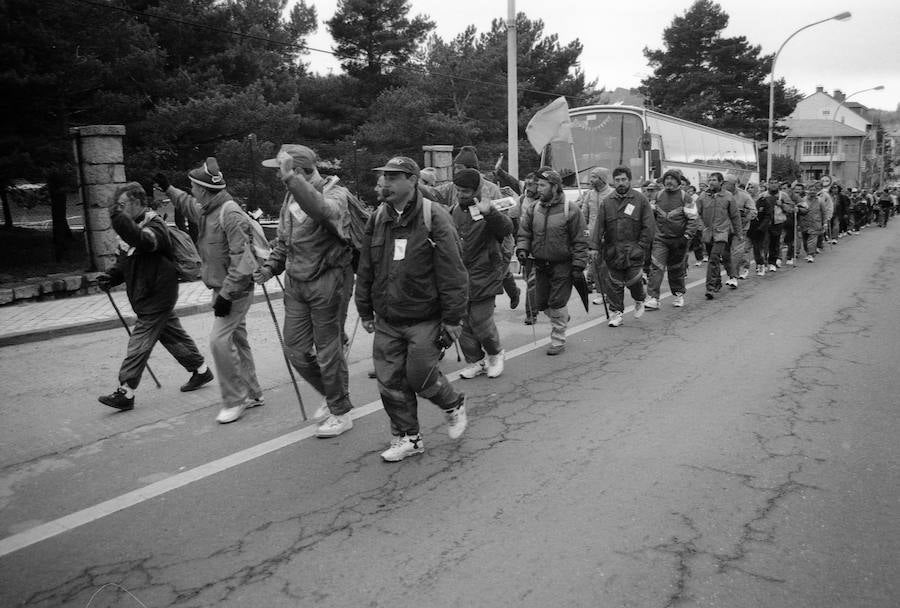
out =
column 550, row 124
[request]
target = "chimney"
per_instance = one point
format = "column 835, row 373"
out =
column 820, row 89
column 839, row 96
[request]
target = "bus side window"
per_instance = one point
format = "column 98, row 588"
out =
column 655, row 164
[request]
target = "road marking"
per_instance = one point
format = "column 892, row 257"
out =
column 48, row 530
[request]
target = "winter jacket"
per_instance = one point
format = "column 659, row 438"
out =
column 311, row 237
column 624, row 230
column 148, row 269
column 675, row 216
column 550, row 236
column 827, row 205
column 765, row 212
column 746, row 207
column 720, row 216
column 220, row 246
column 590, row 205
column 408, row 275
column 482, row 253
column 811, row 215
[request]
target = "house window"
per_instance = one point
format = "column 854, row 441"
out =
column 817, row 147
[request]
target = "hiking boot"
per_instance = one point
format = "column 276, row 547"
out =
column 230, row 414
column 197, row 380
column 322, row 411
column 495, row 364
column 475, row 369
column 334, row 425
column 709, row 295
column 678, row 301
column 457, row 418
column 732, row 283
column 404, row 446
column 615, row 319
column 555, row 349
column 515, row 298
column 651, row 303
column 118, row 399
column 638, row 310
column 255, row 402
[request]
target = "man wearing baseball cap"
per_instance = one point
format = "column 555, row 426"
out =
column 411, row 291
column 311, row 247
column 552, row 232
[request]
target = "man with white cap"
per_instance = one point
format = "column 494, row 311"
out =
column 223, row 230
column 312, row 248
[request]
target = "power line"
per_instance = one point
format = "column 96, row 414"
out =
column 301, row 47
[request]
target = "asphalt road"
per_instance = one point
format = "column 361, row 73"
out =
column 738, row 453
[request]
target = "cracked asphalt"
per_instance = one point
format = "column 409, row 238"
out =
column 736, row 453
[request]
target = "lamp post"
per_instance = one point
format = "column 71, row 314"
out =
column 840, row 17
column 834, row 120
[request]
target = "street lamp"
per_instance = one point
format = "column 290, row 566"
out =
column 840, row 17
column 834, row 120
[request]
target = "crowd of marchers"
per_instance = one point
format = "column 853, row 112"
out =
column 431, row 260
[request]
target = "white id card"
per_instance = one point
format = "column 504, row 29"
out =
column 399, row 249
column 629, row 209
column 475, row 213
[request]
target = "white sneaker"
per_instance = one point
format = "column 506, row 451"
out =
column 457, row 419
column 651, row 303
column 790, row 262
column 255, row 402
column 698, row 263
column 475, row 369
column 810, row 259
column 678, row 301
column 732, row 283
column 744, row 273
column 401, row 447
column 834, row 241
column 335, row 425
column 322, row 411
column 230, row 414
column 615, row 319
column 495, row 364
column 761, row 271
column 597, row 301
column 772, row 268
column 638, row 310
column 778, row 262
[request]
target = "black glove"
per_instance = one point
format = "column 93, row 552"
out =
column 104, row 282
column 161, row 182
column 577, row 274
column 521, row 255
column 222, row 307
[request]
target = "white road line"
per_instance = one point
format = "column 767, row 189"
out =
column 42, row 532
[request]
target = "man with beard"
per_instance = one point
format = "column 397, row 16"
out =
column 481, row 229
column 676, row 223
column 622, row 234
column 552, row 233
column 721, row 223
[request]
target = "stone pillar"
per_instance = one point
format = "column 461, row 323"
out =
column 441, row 158
column 101, row 169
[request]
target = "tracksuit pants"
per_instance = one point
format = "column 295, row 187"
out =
column 165, row 328
column 231, row 354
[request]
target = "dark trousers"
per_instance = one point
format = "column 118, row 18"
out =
column 479, row 333
column 615, row 282
column 165, row 328
column 553, row 284
column 406, row 364
column 716, row 251
column 668, row 256
column 790, row 238
column 775, row 231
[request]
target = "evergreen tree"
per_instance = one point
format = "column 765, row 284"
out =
column 706, row 78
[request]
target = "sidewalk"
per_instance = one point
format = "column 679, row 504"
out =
column 33, row 321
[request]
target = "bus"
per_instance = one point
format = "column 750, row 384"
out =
column 649, row 143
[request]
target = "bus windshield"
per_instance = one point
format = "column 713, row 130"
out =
column 602, row 139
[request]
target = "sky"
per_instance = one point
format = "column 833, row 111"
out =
column 860, row 53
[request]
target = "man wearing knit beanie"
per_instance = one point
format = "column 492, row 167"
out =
column 481, row 229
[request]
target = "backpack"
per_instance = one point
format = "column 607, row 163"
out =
column 183, row 252
column 256, row 249
column 358, row 215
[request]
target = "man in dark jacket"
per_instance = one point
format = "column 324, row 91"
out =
column 676, row 224
column 411, row 291
column 151, row 281
column 622, row 235
column 765, row 211
column 721, row 222
column 481, row 229
column 552, row 233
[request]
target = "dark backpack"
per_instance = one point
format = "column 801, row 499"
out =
column 359, row 216
column 183, row 252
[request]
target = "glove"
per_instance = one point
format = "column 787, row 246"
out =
column 104, row 282
column 161, row 182
column 262, row 275
column 522, row 256
column 222, row 307
column 577, row 274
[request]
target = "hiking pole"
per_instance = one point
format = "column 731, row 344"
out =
column 128, row 331
column 283, row 351
column 602, row 279
column 352, row 338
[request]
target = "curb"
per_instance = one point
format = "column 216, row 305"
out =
column 37, row 335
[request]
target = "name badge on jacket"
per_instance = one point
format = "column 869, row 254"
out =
column 629, row 209
column 399, row 249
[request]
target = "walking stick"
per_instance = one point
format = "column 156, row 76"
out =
column 128, row 331
column 352, row 338
column 529, row 295
column 284, row 352
column 602, row 278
